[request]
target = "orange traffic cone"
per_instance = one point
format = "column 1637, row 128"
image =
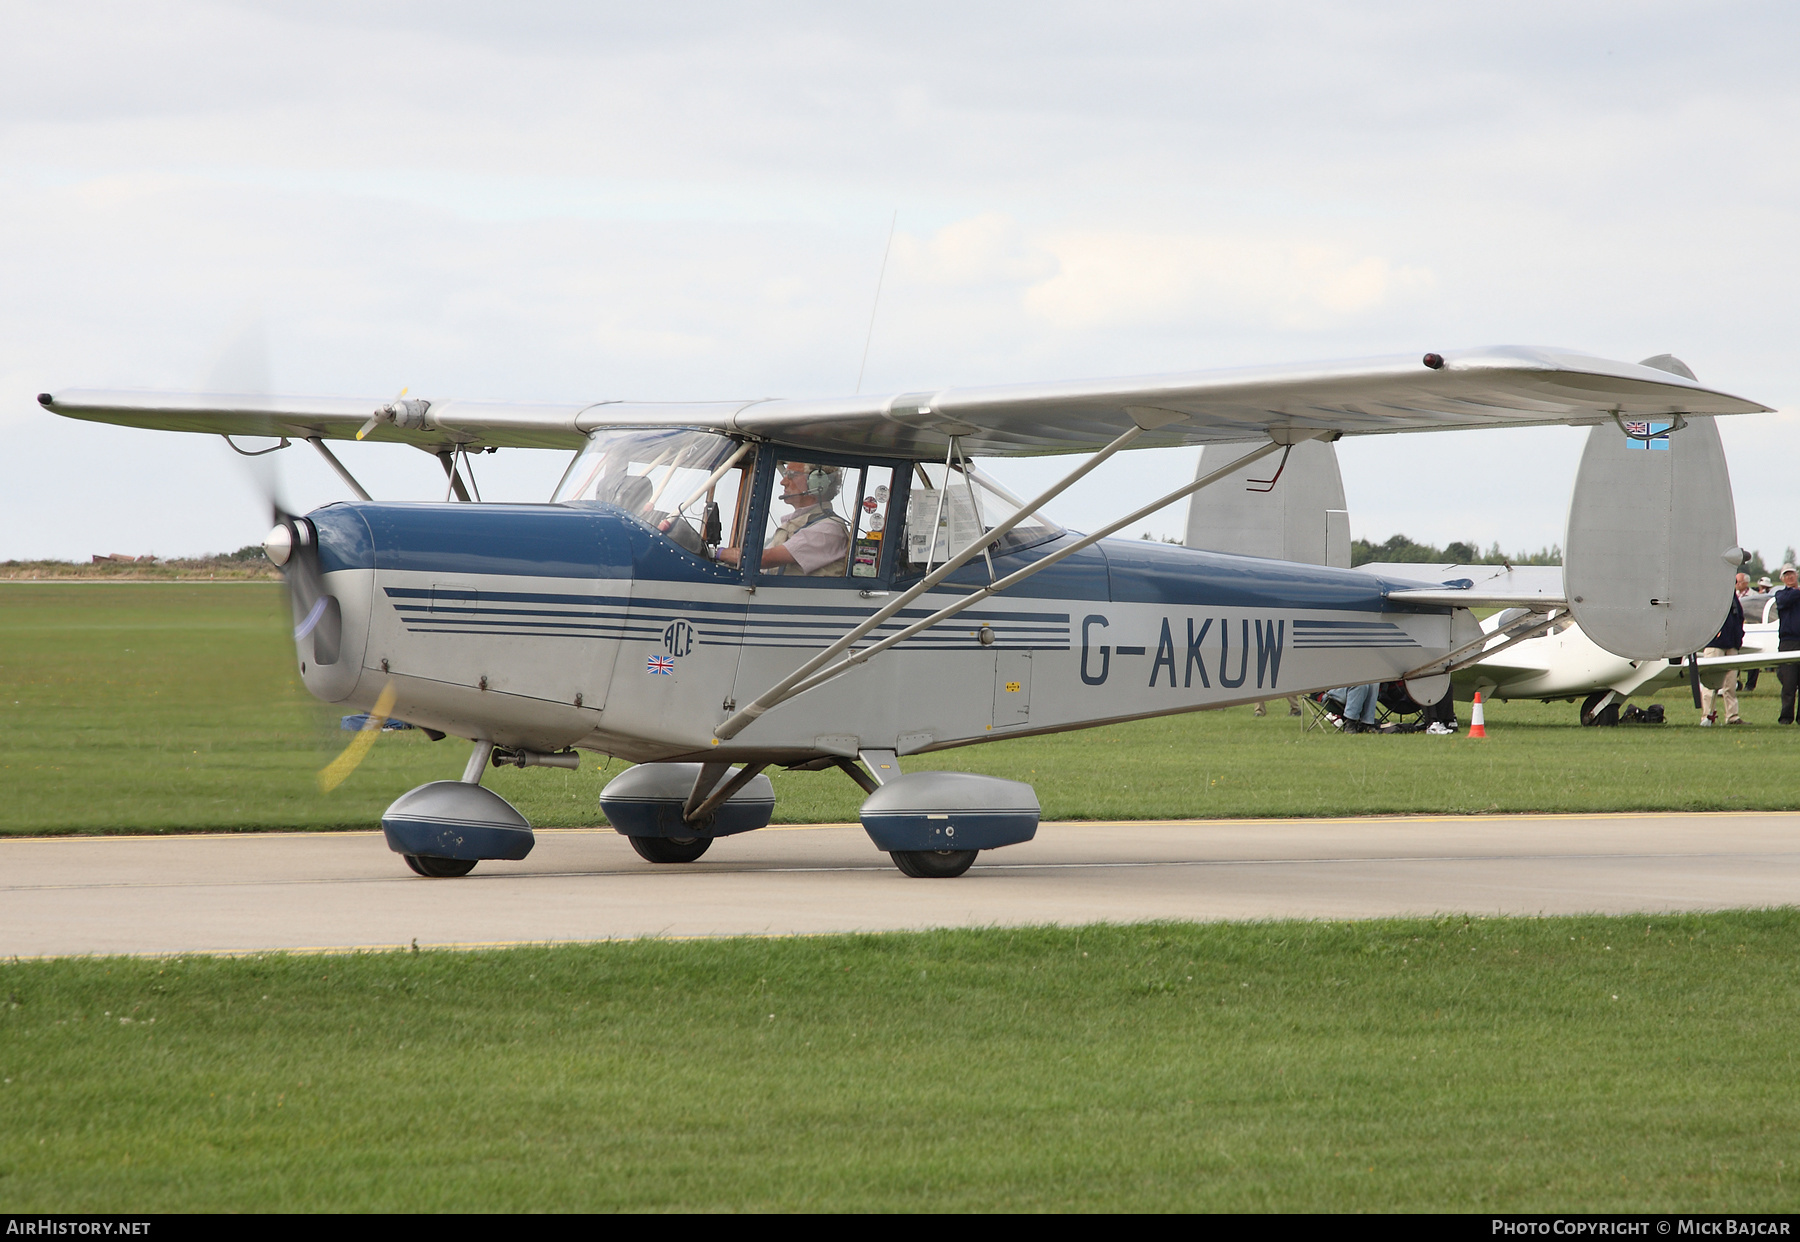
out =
column 1477, row 723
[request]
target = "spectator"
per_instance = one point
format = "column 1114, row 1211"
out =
column 1787, row 607
column 1359, row 707
column 1440, row 717
column 1293, row 701
column 1728, row 641
column 1746, row 587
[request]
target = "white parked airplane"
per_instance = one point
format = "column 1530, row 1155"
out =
column 1561, row 662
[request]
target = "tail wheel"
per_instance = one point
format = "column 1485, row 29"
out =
column 439, row 868
column 670, row 849
column 1609, row 715
column 933, row 864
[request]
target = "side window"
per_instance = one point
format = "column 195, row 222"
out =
column 869, row 520
column 947, row 510
column 827, row 520
column 808, row 535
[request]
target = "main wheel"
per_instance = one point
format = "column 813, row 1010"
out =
column 1609, row 715
column 669, row 849
column 933, row 864
column 439, row 868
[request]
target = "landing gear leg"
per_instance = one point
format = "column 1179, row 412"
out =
column 933, row 864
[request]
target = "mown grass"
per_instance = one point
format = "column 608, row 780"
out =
column 1569, row 1064
column 153, row 707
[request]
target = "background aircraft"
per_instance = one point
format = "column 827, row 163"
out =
column 1532, row 650
column 1561, row 662
column 718, row 588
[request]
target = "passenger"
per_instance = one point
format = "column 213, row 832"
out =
column 813, row 540
column 1728, row 641
column 1787, row 607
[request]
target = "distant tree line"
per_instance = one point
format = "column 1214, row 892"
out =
column 1456, row 552
column 1757, row 570
column 1401, row 549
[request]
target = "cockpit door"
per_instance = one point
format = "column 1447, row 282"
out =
column 823, row 565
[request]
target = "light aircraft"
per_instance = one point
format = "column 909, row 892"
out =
column 1561, row 662
column 717, row 588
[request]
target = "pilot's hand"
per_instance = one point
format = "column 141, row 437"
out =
column 729, row 556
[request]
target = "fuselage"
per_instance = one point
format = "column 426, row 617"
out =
column 547, row 626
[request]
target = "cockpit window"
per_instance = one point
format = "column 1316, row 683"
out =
column 942, row 520
column 691, row 485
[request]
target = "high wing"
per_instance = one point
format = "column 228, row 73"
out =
column 437, row 424
column 1504, row 386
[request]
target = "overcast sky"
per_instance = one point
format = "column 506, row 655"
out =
column 584, row 201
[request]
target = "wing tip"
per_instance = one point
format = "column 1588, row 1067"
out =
column 46, row 400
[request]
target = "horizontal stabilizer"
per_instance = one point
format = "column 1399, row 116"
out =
column 1473, row 586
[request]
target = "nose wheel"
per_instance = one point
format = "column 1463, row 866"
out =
column 933, row 864
column 439, row 868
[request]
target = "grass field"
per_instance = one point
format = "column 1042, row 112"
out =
column 1496, row 1065
column 157, row 707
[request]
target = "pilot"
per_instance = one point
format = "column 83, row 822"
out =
column 812, row 540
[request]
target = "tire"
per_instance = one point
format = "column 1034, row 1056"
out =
column 670, row 849
column 1608, row 716
column 439, row 868
column 933, row 864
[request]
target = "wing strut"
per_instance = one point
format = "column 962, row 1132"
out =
column 331, row 460
column 783, row 690
column 809, row 675
column 447, row 458
column 1518, row 630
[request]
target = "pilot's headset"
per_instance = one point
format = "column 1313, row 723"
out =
column 823, row 482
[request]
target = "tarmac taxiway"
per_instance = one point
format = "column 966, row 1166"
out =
column 251, row 892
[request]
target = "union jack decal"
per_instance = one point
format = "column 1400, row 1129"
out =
column 661, row 665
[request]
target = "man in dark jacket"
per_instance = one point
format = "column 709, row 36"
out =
column 1787, row 607
column 1728, row 641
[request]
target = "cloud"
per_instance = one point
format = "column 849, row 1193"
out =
column 987, row 249
column 1123, row 279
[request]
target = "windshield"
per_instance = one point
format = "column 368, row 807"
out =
column 688, row 484
column 941, row 521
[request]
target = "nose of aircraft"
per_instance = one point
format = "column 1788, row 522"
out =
column 278, row 545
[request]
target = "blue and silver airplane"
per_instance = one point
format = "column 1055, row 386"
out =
column 716, row 589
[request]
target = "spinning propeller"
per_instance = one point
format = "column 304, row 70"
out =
column 292, row 545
